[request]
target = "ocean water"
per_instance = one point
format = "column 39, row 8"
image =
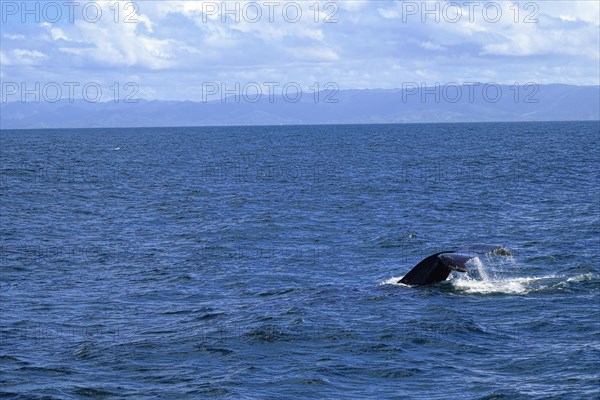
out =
column 262, row 262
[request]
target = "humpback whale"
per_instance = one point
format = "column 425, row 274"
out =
column 438, row 266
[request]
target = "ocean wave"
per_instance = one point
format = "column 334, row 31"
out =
column 498, row 285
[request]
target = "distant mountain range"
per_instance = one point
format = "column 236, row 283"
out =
column 453, row 103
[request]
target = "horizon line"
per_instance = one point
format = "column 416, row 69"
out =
column 300, row 125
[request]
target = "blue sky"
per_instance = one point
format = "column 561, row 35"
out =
column 171, row 49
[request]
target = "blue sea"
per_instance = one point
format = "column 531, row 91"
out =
column 262, row 262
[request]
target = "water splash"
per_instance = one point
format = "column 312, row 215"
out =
column 486, row 276
column 491, row 275
column 510, row 286
column 476, row 262
column 394, row 280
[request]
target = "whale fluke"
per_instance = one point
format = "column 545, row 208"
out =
column 437, row 267
column 483, row 248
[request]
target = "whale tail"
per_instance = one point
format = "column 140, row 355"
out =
column 437, row 267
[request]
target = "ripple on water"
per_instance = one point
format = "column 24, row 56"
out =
column 243, row 262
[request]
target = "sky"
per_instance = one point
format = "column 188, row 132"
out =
column 179, row 50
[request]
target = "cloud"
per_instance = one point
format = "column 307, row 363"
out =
column 23, row 57
column 175, row 46
column 432, row 46
column 121, row 43
column 4, row 60
column 389, row 13
column 263, row 20
column 13, row 37
column 55, row 33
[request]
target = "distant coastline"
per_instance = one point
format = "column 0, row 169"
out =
column 445, row 104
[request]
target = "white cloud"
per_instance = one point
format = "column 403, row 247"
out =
column 25, row 57
column 55, row 33
column 58, row 34
column 432, row 46
column 314, row 53
column 350, row 5
column 123, row 43
column 4, row 60
column 13, row 37
column 369, row 46
column 583, row 11
column 216, row 19
column 389, row 13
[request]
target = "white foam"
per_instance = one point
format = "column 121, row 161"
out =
column 522, row 285
column 395, row 280
column 581, row 278
column 511, row 286
column 484, row 283
column 489, row 276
